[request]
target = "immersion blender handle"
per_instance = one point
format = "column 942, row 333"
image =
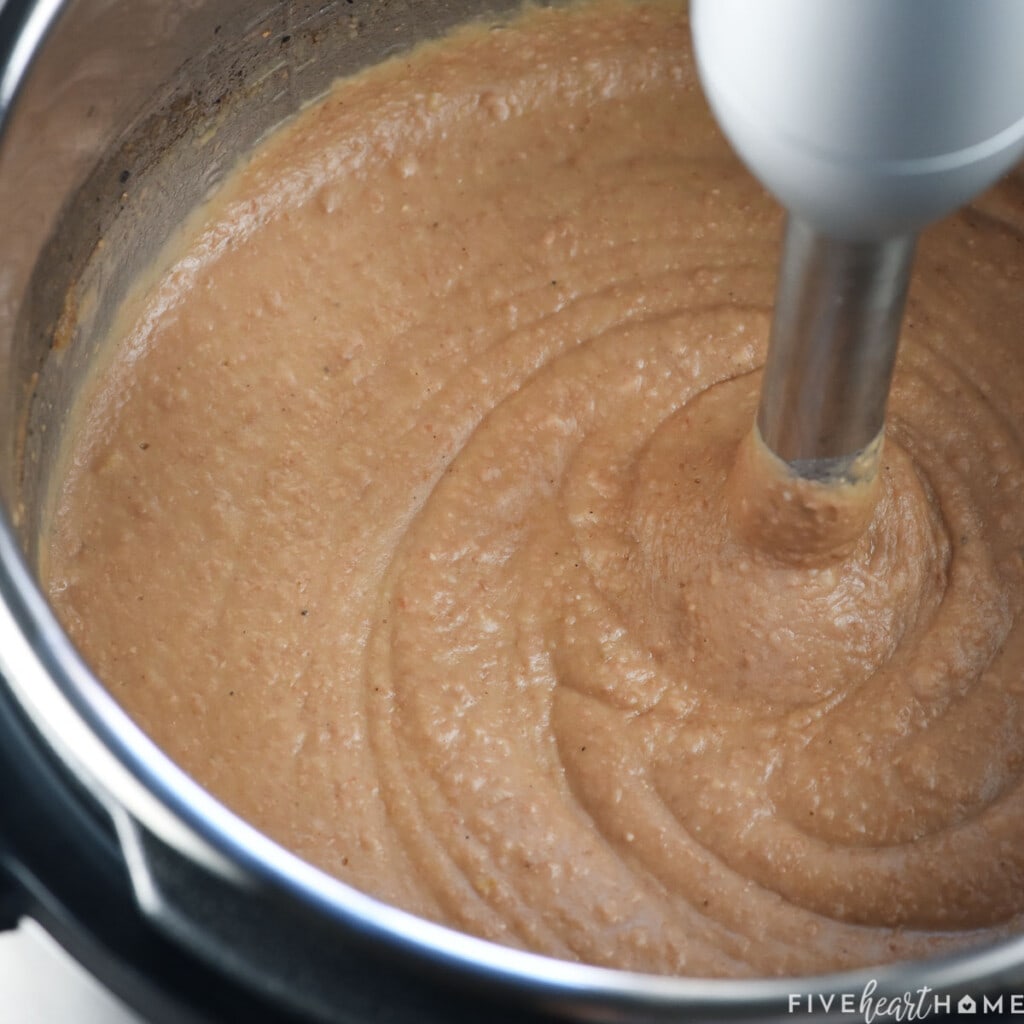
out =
column 867, row 118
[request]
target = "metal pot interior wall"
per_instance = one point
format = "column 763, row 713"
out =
column 133, row 112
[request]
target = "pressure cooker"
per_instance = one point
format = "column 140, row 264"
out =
column 116, row 118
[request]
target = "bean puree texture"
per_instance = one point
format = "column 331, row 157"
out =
column 415, row 512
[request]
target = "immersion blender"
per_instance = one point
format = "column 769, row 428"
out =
column 867, row 119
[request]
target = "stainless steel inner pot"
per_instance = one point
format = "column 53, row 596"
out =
column 117, row 117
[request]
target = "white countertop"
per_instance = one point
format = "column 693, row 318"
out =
column 41, row 984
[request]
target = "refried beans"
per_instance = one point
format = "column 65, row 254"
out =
column 415, row 513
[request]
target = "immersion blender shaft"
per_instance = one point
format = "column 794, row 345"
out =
column 838, row 309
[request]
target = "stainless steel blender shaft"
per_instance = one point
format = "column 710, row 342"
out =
column 838, row 309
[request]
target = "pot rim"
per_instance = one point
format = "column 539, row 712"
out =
column 130, row 775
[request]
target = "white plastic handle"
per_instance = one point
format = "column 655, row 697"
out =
column 868, row 118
